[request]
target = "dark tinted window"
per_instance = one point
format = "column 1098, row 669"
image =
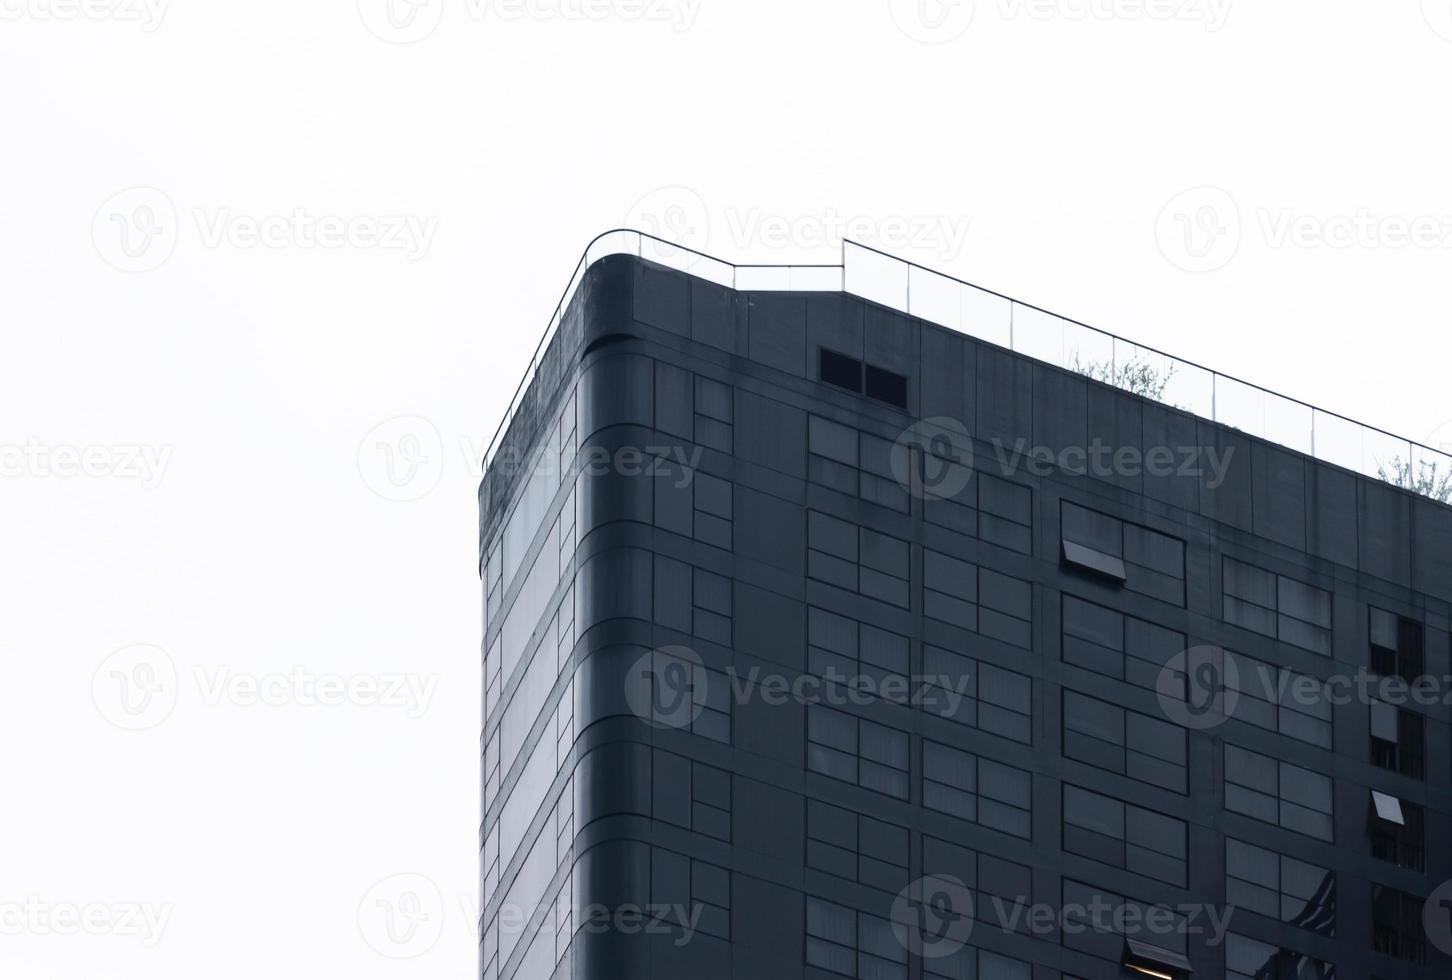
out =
column 886, row 386
column 839, row 369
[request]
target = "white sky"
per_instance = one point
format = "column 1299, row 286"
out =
column 1040, row 146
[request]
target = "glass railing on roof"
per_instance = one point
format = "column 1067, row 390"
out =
column 977, row 312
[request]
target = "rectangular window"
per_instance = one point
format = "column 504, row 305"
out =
column 1396, row 924
column 1123, row 835
column 1396, row 829
column 1281, row 700
column 1249, row 959
column 839, row 370
column 682, row 887
column 1396, row 646
column 1095, row 914
column 857, row 559
column 691, row 794
column 714, row 414
column 1280, row 887
column 1278, row 793
column 853, row 462
column 856, row 751
column 979, row 790
column 858, row 848
column 977, row 694
column 851, row 943
column 1142, row 560
column 1141, row 747
column 998, row 887
column 859, row 655
column 981, row 600
column 1109, row 642
column 1277, row 606
column 886, row 386
column 1397, row 739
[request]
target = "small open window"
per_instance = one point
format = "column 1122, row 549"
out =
column 886, row 386
column 839, row 370
column 1154, row 961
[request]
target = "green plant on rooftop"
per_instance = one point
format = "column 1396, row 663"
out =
column 1136, row 375
column 1428, row 479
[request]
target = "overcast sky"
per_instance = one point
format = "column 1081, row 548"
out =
column 251, row 249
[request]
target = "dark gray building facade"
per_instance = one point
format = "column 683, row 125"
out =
column 821, row 641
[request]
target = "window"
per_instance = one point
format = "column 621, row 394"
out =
column 1276, row 606
column 887, row 386
column 1248, row 959
column 1396, row 646
column 852, row 943
column 983, row 791
column 1284, row 701
column 989, row 966
column 692, row 600
column 1109, row 642
column 682, row 887
column 1131, row 555
column 1280, row 887
column 839, row 370
column 687, row 696
column 977, row 694
column 857, row 559
column 856, row 847
column 849, row 373
column 692, row 503
column 1396, row 924
column 713, row 418
column 1095, row 914
column 1397, row 739
column 691, row 794
column 1105, row 735
column 978, row 599
column 859, row 655
column 1113, row 832
column 998, row 886
column 856, row 751
column 1278, row 793
column 853, row 462
column 1396, row 829
column 997, row 511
